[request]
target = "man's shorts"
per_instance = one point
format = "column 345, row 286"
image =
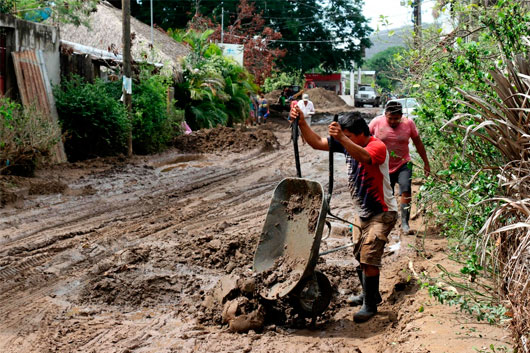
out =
column 374, row 235
column 402, row 176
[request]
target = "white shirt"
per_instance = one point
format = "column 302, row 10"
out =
column 308, row 110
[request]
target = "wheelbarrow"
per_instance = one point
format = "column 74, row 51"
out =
column 288, row 249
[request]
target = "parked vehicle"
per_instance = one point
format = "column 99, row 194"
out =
column 409, row 106
column 367, row 95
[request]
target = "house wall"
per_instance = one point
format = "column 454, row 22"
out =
column 25, row 35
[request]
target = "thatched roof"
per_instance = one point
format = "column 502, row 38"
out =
column 105, row 33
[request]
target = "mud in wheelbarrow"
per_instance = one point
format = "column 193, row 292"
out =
column 288, row 249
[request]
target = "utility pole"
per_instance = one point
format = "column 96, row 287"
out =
column 152, row 35
column 152, row 39
column 127, row 80
column 416, row 9
column 222, row 21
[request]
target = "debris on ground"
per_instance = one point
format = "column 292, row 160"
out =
column 223, row 139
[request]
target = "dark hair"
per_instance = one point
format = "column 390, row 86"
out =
column 354, row 123
column 394, row 107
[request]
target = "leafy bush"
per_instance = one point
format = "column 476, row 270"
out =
column 215, row 89
column 25, row 137
column 6, row 6
column 95, row 122
column 474, row 88
column 278, row 81
column 154, row 124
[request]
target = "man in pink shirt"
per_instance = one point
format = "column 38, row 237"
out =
column 396, row 131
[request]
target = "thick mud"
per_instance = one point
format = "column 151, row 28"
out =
column 154, row 254
column 225, row 139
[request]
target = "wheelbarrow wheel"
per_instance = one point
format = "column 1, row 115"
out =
column 314, row 296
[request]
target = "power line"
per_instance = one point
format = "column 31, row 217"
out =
column 295, row 41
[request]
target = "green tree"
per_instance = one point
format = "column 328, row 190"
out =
column 384, row 64
column 328, row 35
column 69, row 11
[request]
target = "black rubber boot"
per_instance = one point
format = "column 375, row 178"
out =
column 355, row 300
column 369, row 308
column 358, row 299
column 405, row 215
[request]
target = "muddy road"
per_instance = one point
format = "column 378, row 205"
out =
column 119, row 255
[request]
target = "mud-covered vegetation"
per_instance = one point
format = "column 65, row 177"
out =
column 26, row 136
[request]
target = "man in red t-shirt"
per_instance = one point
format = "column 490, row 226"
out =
column 396, row 131
column 369, row 185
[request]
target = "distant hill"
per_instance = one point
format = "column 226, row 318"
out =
column 400, row 37
column 383, row 40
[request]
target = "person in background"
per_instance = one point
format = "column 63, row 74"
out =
column 307, row 107
column 282, row 100
column 263, row 110
column 253, row 110
column 395, row 131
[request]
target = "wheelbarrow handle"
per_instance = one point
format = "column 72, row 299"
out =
column 294, row 132
column 349, row 245
column 330, row 187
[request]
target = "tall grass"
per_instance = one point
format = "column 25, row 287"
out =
column 504, row 122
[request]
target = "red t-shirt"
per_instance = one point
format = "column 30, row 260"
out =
column 395, row 139
column 369, row 184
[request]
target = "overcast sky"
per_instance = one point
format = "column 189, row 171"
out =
column 397, row 15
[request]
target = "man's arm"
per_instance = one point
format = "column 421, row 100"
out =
column 357, row 152
column 423, row 154
column 311, row 137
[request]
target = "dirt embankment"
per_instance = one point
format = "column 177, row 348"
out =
column 326, row 102
column 129, row 264
column 225, row 139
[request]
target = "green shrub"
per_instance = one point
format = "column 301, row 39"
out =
column 278, row 81
column 25, row 137
column 154, row 123
column 95, row 123
column 215, row 89
column 153, row 127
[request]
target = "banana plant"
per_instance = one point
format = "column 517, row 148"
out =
column 215, row 89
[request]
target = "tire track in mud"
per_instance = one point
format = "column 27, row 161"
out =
column 7, row 272
column 129, row 213
column 156, row 215
column 181, row 187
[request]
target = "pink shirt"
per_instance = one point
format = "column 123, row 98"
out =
column 396, row 140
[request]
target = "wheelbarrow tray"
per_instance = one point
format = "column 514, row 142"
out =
column 289, row 244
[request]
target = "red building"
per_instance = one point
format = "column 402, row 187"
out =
column 333, row 82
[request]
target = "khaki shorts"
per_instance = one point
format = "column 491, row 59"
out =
column 374, row 236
